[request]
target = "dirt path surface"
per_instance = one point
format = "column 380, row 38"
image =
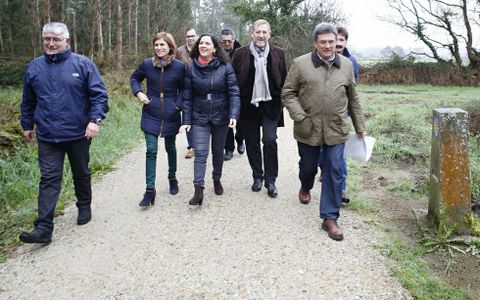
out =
column 242, row 245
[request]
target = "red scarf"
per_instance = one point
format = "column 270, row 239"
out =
column 202, row 61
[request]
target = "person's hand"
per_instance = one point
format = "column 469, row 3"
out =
column 361, row 135
column 29, row 136
column 185, row 128
column 233, row 123
column 143, row 98
column 92, row 130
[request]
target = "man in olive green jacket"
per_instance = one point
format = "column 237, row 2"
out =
column 319, row 93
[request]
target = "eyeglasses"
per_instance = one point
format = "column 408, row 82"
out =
column 324, row 42
column 50, row 39
column 191, row 36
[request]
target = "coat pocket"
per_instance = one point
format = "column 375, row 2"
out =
column 303, row 128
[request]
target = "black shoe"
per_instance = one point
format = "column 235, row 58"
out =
column 345, row 200
column 257, row 184
column 241, row 148
column 271, row 190
column 36, row 236
column 84, row 215
column 148, row 198
column 173, row 182
column 228, row 155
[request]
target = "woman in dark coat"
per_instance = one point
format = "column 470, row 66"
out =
column 211, row 105
column 161, row 108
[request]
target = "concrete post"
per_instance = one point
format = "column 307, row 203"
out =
column 450, row 187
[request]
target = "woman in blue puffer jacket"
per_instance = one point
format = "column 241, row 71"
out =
column 161, row 108
column 211, row 104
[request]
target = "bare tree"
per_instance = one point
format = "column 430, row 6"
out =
column 135, row 32
column 433, row 20
column 46, row 11
column 119, row 44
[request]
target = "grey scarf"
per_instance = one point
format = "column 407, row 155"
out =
column 261, row 92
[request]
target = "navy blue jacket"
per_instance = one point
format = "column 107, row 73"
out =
column 160, row 117
column 353, row 59
column 210, row 94
column 61, row 94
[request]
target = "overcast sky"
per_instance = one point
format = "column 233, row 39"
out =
column 366, row 30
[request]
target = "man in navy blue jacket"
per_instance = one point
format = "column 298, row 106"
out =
column 64, row 101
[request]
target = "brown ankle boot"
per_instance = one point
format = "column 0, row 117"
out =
column 197, row 197
column 217, row 185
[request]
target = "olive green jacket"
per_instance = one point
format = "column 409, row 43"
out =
column 319, row 98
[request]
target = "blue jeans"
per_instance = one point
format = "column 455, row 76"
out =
column 201, row 140
column 331, row 195
column 344, row 170
column 51, row 157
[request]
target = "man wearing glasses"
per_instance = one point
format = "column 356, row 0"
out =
column 64, row 102
column 183, row 54
column 229, row 44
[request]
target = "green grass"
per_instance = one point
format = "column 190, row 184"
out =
column 414, row 273
column 19, row 174
column 400, row 120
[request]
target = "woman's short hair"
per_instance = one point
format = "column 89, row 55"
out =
column 219, row 52
column 56, row 28
column 323, row 28
column 168, row 38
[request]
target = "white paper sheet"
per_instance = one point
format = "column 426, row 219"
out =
column 357, row 148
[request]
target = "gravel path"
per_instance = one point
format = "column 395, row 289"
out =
column 241, row 245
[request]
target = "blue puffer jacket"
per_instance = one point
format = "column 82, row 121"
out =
column 210, row 94
column 61, row 94
column 160, row 117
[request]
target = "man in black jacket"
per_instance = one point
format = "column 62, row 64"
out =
column 261, row 70
column 230, row 44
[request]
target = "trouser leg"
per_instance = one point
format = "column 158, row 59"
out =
column 171, row 149
column 251, row 130
column 201, row 140
column 344, row 174
column 51, row 157
column 219, row 133
column 229, row 141
column 331, row 195
column 307, row 165
column 190, row 140
column 79, row 157
column 151, row 160
column 270, row 151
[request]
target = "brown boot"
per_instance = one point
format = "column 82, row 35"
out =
column 197, row 197
column 217, row 185
column 304, row 197
column 334, row 232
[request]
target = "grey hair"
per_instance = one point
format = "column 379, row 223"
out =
column 228, row 31
column 324, row 28
column 261, row 22
column 56, row 28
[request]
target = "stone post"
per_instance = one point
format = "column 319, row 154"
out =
column 450, row 187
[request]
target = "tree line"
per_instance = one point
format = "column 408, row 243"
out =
column 118, row 31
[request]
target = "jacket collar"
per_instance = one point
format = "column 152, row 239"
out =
column 317, row 62
column 215, row 62
column 346, row 53
column 58, row 57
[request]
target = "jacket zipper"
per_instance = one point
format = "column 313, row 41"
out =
column 161, row 103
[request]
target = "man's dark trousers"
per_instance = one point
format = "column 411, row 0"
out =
column 250, row 127
column 51, row 157
column 230, row 140
column 331, row 195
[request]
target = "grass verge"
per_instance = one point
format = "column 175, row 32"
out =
column 414, row 273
